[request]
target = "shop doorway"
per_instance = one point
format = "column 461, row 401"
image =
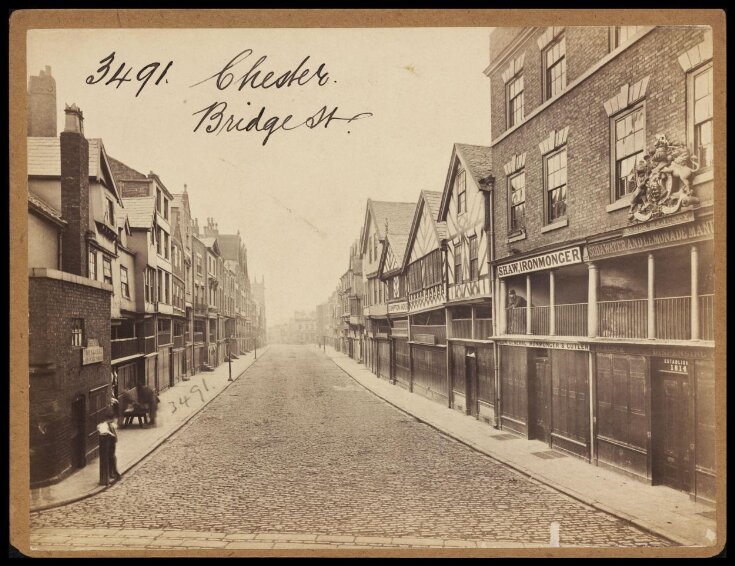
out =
column 78, row 431
column 539, row 394
column 672, row 424
column 470, row 373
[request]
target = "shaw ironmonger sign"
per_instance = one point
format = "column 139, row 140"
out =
column 567, row 256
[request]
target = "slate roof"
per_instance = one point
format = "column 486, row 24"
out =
column 45, row 207
column 477, row 158
column 44, row 157
column 398, row 214
column 140, row 211
column 229, row 246
column 123, row 172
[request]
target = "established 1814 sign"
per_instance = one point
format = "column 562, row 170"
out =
column 546, row 261
column 93, row 353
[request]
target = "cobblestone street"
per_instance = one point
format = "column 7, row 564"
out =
column 296, row 454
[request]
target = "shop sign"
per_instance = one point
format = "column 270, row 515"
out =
column 541, row 344
column 674, row 365
column 550, row 260
column 663, row 222
column 93, row 353
column 398, row 308
column 640, row 242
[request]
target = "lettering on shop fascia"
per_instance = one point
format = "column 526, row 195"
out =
column 93, row 353
column 539, row 344
column 698, row 353
column 663, row 222
column 693, row 233
column 568, row 256
column 398, row 307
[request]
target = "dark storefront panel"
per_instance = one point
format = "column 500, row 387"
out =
column 486, row 375
column 383, row 347
column 430, row 371
column 672, row 419
column 402, row 362
column 705, row 430
column 539, row 394
column 570, row 406
column 457, row 353
column 163, row 378
column 513, row 388
column 622, row 420
column 127, row 377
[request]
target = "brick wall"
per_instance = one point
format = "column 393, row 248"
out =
column 588, row 144
column 42, row 105
column 56, row 372
column 75, row 201
column 131, row 189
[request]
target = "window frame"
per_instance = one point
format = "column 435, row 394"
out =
column 107, row 268
column 77, row 332
column 457, row 257
column 692, row 74
column 92, row 261
column 473, row 254
column 562, row 60
column 615, row 34
column 460, row 185
column 124, row 283
column 547, row 191
column 110, row 212
column 614, row 119
column 511, row 228
column 509, row 114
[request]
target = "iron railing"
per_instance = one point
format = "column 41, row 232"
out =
column 150, row 344
column 623, row 319
column 516, row 319
column 673, row 318
column 571, row 319
column 540, row 320
column 706, row 317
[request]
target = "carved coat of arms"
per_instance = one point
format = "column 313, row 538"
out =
column 662, row 181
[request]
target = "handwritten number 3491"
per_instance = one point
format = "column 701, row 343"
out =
column 120, row 75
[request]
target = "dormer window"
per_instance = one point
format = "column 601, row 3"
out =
column 110, row 212
column 460, row 187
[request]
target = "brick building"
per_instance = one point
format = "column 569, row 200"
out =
column 70, row 314
column 605, row 233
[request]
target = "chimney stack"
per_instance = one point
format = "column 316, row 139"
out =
column 75, row 192
column 42, row 105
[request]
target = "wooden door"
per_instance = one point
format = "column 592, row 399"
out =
column 539, row 395
column 471, row 385
column 79, row 432
column 672, row 417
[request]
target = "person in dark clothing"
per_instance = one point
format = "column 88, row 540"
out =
column 108, row 435
column 515, row 301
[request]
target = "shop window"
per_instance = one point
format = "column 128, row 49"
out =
column 514, row 104
column 555, row 180
column 629, row 140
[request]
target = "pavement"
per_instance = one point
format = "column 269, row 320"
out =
column 178, row 405
column 658, row 509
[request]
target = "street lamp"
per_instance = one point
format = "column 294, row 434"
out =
column 229, row 356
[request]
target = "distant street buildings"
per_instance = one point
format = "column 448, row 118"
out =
column 560, row 286
column 124, row 290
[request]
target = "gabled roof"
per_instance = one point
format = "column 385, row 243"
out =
column 44, row 160
column 476, row 160
column 398, row 243
column 125, row 172
column 397, row 215
column 140, row 211
column 211, row 243
column 229, row 245
column 427, row 199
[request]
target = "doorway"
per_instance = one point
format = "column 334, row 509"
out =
column 470, row 373
column 79, row 432
column 672, row 424
column 539, row 394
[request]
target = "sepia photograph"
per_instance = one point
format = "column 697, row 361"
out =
column 351, row 283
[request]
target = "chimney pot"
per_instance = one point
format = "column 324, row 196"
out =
column 74, row 119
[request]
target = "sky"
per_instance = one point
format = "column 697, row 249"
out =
column 299, row 200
